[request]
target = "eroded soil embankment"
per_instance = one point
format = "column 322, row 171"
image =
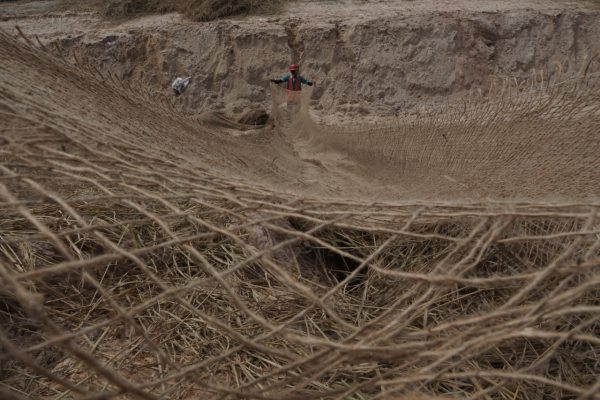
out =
column 364, row 66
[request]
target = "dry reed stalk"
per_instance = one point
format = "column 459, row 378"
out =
column 126, row 272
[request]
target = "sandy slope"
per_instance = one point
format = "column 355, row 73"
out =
column 67, row 102
column 444, row 161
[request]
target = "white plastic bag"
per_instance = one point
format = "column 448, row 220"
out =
column 180, row 84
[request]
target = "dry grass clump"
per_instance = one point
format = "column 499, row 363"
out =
column 197, row 10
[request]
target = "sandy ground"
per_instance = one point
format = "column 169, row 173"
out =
column 368, row 9
column 314, row 10
column 371, row 61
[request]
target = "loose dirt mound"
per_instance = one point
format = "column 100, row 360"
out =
column 135, row 262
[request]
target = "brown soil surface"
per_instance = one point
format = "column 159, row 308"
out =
column 371, row 60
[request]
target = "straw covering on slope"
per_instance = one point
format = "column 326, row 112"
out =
column 127, row 271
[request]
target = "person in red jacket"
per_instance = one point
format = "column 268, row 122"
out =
column 294, row 81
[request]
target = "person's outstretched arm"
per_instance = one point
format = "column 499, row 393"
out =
column 283, row 80
column 306, row 81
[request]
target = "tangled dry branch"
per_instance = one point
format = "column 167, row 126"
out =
column 128, row 272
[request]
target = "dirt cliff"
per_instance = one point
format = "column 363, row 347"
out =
column 369, row 59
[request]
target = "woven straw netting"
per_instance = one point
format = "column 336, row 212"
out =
column 127, row 271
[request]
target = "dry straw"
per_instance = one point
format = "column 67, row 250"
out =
column 128, row 272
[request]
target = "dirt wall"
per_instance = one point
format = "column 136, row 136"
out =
column 381, row 67
column 366, row 63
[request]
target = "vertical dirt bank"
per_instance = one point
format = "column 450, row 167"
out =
column 366, row 63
